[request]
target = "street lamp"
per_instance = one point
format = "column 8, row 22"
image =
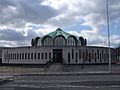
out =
column 108, row 27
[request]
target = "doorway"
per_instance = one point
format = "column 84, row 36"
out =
column 57, row 55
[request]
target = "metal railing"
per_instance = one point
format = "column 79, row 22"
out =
column 48, row 63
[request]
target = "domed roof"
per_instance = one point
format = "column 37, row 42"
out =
column 58, row 32
column 59, row 38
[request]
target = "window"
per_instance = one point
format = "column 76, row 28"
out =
column 95, row 57
column 9, row 56
column 83, row 56
column 49, row 55
column 35, row 55
column 102, row 54
column 71, row 41
column 86, row 57
column 31, row 55
column 17, row 55
column 28, row 55
column 45, row 55
column 38, row 55
column 76, row 57
column 79, row 53
column 59, row 41
column 98, row 54
column 42, row 56
column 25, row 55
column 92, row 54
column 105, row 57
column 48, row 41
column 100, row 57
column 13, row 57
column 90, row 57
column 68, row 57
column 22, row 55
column 72, row 53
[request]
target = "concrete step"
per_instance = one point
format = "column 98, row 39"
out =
column 55, row 67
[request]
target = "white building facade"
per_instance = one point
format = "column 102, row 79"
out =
column 65, row 55
column 60, row 47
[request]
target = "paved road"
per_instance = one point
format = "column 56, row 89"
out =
column 74, row 82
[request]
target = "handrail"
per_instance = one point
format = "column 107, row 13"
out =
column 48, row 63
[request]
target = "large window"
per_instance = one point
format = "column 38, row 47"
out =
column 71, row 41
column 76, row 57
column 42, row 55
column 72, row 53
column 59, row 41
column 79, row 53
column 28, row 55
column 35, row 56
column 45, row 55
column 25, row 55
column 49, row 55
column 38, row 55
column 31, row 55
column 68, row 57
column 48, row 41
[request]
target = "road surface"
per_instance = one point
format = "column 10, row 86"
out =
column 64, row 82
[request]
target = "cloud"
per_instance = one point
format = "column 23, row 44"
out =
column 19, row 12
column 22, row 20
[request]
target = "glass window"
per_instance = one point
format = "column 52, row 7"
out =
column 71, row 41
column 45, row 55
column 31, row 55
column 48, row 41
column 35, row 55
column 25, row 55
column 79, row 53
column 98, row 54
column 13, row 57
column 42, row 56
column 100, row 57
column 90, row 57
column 76, row 57
column 49, row 55
column 68, row 57
column 28, row 55
column 17, row 55
column 22, row 55
column 38, row 55
column 59, row 41
column 95, row 57
column 72, row 53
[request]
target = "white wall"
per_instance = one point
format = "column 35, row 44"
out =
column 76, row 60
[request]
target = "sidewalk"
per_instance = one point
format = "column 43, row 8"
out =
column 70, row 70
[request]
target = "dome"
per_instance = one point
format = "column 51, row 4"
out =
column 59, row 38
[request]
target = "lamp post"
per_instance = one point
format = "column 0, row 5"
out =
column 108, row 27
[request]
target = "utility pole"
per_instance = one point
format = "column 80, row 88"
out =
column 108, row 27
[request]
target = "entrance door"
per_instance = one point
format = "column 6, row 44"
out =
column 57, row 55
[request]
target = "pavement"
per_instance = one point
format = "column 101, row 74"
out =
column 87, row 70
column 91, row 77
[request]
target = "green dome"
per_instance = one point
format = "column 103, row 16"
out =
column 58, row 32
column 59, row 38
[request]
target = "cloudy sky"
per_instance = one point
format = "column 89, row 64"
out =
column 22, row 20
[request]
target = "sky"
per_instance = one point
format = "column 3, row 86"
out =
column 22, row 20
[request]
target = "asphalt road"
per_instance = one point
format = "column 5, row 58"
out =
column 74, row 82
